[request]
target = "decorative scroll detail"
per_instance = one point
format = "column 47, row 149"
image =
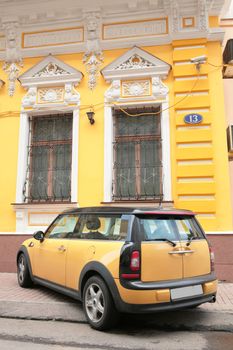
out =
column 51, row 70
column 47, row 95
column 135, row 62
column 13, row 56
column 135, row 88
column 93, row 54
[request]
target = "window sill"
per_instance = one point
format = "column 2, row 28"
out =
column 139, row 203
column 52, row 205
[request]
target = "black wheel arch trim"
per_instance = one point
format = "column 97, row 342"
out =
column 23, row 250
column 100, row 269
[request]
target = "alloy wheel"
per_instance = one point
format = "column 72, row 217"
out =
column 94, row 302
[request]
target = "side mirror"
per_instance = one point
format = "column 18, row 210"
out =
column 39, row 235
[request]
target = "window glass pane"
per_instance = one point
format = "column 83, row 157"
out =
column 52, row 128
column 137, row 155
column 63, row 227
column 150, row 168
column 169, row 228
column 104, row 227
column 39, row 172
column 142, row 125
column 49, row 171
column 125, row 169
column 62, row 171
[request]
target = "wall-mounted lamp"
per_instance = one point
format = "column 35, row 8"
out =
column 90, row 116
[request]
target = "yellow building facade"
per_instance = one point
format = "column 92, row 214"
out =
column 163, row 62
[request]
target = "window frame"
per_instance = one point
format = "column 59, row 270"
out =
column 50, row 144
column 137, row 154
column 108, row 149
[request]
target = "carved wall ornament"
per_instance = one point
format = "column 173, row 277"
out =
column 71, row 95
column 51, row 69
column 135, row 62
column 50, row 95
column 158, row 88
column 30, row 98
column 136, row 88
column 13, row 58
column 93, row 55
column 113, row 93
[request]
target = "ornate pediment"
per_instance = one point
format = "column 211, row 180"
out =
column 50, row 71
column 136, row 63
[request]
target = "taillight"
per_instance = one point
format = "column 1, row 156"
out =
column 135, row 261
column 211, row 258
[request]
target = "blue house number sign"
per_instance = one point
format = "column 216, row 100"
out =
column 193, row 118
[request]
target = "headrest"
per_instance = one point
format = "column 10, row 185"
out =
column 93, row 223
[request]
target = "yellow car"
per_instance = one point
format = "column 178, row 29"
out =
column 118, row 260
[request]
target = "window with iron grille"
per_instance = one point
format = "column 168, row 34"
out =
column 137, row 169
column 49, row 159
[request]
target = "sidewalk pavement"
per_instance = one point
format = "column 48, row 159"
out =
column 39, row 303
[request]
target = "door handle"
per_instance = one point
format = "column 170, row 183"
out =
column 181, row 252
column 62, row 248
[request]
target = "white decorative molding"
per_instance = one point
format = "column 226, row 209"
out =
column 50, row 94
column 93, row 55
column 53, row 38
column 203, row 15
column 49, row 72
column 12, row 55
column 157, row 26
column 31, row 218
column 136, row 88
column 136, row 63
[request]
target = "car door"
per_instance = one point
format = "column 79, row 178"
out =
column 50, row 255
column 160, row 248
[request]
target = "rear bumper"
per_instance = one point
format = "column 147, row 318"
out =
column 161, row 307
column 156, row 297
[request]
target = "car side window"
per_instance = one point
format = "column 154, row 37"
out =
column 63, row 226
column 102, row 227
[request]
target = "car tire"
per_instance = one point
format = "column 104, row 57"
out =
column 23, row 274
column 98, row 305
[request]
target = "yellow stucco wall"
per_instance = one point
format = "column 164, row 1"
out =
column 200, row 179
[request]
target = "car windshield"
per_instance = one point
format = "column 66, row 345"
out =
column 171, row 228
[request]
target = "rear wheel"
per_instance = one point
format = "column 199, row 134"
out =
column 98, row 305
column 24, row 278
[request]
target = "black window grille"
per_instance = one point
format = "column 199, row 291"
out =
column 48, row 176
column 137, row 167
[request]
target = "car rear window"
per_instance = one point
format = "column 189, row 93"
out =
column 168, row 227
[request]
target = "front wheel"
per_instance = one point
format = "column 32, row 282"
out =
column 98, row 305
column 23, row 274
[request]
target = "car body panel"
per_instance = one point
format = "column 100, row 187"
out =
column 81, row 251
column 157, row 262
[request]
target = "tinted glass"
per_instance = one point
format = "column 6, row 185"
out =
column 172, row 228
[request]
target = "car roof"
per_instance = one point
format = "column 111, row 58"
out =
column 129, row 210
